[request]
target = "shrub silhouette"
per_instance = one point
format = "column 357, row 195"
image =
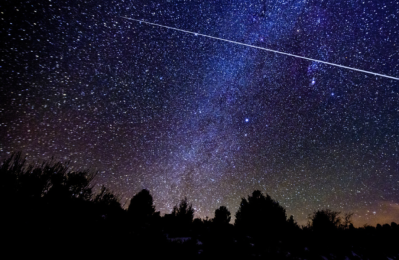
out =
column 394, row 226
column 292, row 225
column 107, row 204
column 327, row 220
column 184, row 213
column 50, row 208
column 222, row 216
column 141, row 205
column 50, row 181
column 48, row 200
column 179, row 222
column 260, row 214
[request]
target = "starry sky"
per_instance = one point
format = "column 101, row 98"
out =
column 185, row 115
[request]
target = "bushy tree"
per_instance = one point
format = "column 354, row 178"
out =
column 222, row 216
column 184, row 212
column 260, row 214
column 66, row 185
column 292, row 225
column 51, row 181
column 107, row 203
column 45, row 199
column 141, row 205
column 347, row 221
column 327, row 220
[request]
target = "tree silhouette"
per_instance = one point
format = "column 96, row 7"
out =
column 347, row 221
column 222, row 216
column 141, row 205
column 48, row 200
column 394, row 226
column 260, row 214
column 292, row 225
column 49, row 207
column 108, row 205
column 184, row 212
column 66, row 185
column 51, row 181
column 327, row 220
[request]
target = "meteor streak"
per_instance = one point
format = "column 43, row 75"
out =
column 265, row 49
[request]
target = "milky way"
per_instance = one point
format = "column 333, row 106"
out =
column 184, row 115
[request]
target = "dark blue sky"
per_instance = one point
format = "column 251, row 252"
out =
column 185, row 115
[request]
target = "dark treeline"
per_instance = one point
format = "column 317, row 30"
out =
column 49, row 210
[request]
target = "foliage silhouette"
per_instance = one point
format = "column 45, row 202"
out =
column 179, row 222
column 50, row 208
column 141, row 206
column 51, row 181
column 184, row 212
column 394, row 226
column 107, row 204
column 327, row 220
column 292, row 225
column 260, row 215
column 222, row 216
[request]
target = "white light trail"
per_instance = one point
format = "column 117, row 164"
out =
column 265, row 49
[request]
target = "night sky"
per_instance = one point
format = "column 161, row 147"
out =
column 185, row 115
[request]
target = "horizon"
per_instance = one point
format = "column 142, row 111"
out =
column 151, row 106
